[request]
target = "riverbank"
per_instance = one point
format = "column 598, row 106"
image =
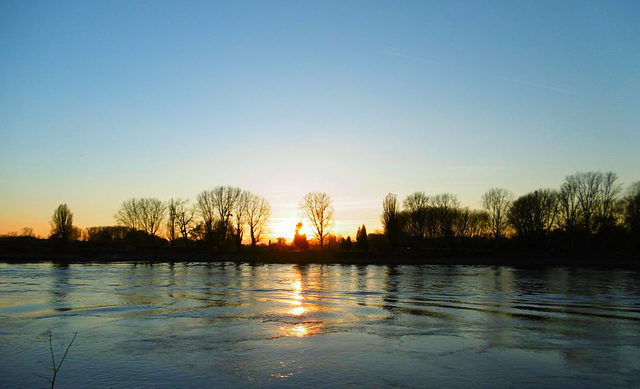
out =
column 267, row 255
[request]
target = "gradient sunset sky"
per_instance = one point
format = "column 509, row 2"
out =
column 102, row 101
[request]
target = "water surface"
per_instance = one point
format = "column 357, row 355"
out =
column 220, row 325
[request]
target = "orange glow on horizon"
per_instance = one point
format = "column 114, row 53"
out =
column 286, row 228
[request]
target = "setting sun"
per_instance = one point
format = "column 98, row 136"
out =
column 286, row 227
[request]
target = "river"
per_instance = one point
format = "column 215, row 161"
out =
column 241, row 325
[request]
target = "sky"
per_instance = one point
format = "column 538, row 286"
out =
column 103, row 101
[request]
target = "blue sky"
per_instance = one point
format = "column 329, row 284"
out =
column 104, row 101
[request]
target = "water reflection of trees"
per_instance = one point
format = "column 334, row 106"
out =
column 361, row 284
column 137, row 284
column 574, row 310
column 391, row 288
column 61, row 287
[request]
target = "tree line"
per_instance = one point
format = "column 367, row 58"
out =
column 589, row 209
column 218, row 219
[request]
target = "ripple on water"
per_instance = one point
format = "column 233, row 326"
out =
column 279, row 325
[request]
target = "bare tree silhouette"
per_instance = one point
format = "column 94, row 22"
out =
column 207, row 209
column 258, row 212
column 417, row 207
column 172, row 218
column 128, row 214
column 217, row 207
column 569, row 210
column 62, row 224
column 587, row 187
column 145, row 214
column 240, row 216
column 535, row 213
column 179, row 218
column 632, row 210
column 471, row 223
column 446, row 211
column 497, row 202
column 185, row 214
column 225, row 199
column 609, row 198
column 317, row 207
column 390, row 221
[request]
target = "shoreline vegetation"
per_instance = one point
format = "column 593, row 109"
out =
column 589, row 220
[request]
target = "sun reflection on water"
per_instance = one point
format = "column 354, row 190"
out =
column 281, row 375
column 298, row 311
column 297, row 290
column 302, row 330
column 301, row 324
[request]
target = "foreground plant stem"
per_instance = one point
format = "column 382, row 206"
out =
column 56, row 368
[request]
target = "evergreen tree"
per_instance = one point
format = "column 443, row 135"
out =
column 362, row 242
